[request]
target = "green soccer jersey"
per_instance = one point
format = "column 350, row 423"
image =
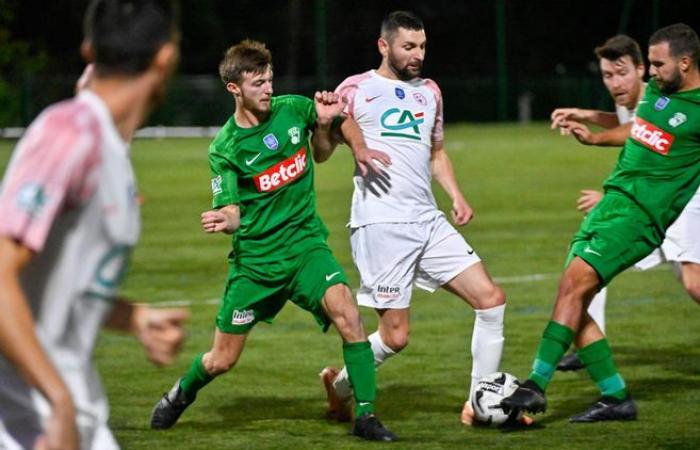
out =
column 659, row 166
column 267, row 171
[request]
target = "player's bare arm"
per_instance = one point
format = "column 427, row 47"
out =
column 614, row 137
column 20, row 345
column 603, row 119
column 329, row 105
column 443, row 172
column 223, row 220
column 366, row 158
column 160, row 331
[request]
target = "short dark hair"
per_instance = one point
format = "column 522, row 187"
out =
column 618, row 46
column 399, row 19
column 682, row 41
column 126, row 34
column 247, row 56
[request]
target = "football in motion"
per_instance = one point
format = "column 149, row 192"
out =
column 486, row 400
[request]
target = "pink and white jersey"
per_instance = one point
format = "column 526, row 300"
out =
column 402, row 119
column 69, row 195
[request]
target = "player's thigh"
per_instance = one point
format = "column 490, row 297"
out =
column 475, row 286
column 614, row 236
column 385, row 255
column 320, row 275
column 247, row 301
column 446, row 255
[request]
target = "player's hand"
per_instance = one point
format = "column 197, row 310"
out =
column 462, row 213
column 366, row 160
column 329, row 105
column 60, row 432
column 580, row 131
column 214, row 221
column 161, row 332
column 562, row 115
column 588, row 199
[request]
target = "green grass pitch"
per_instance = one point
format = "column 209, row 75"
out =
column 522, row 182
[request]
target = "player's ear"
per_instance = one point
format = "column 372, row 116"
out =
column 640, row 70
column 383, row 46
column 87, row 52
column 233, row 88
column 684, row 63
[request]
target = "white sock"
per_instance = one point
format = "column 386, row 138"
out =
column 381, row 351
column 487, row 343
column 596, row 309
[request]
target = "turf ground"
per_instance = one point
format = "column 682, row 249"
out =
column 522, row 183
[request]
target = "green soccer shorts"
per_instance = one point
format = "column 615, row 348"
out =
column 254, row 295
column 614, row 236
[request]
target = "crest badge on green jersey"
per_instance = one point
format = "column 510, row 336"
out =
column 271, row 141
column 295, row 135
column 661, row 103
column 678, row 119
column 216, row 185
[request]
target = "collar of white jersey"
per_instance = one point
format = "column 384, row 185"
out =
column 106, row 120
column 411, row 83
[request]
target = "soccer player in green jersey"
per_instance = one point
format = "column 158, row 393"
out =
column 263, row 194
column 656, row 175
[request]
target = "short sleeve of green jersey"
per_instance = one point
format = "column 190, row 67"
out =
column 224, row 180
column 307, row 107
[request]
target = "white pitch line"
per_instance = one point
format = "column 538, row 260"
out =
column 526, row 278
column 500, row 280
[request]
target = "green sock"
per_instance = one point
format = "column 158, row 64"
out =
column 359, row 361
column 556, row 339
column 196, row 378
column 597, row 357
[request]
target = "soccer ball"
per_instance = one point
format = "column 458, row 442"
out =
column 486, row 401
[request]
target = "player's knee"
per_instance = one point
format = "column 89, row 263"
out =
column 692, row 287
column 576, row 285
column 396, row 339
column 495, row 296
column 218, row 364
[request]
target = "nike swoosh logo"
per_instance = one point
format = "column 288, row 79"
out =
column 328, row 277
column 590, row 250
column 252, row 160
column 642, row 101
column 369, row 99
column 470, row 251
column 363, row 403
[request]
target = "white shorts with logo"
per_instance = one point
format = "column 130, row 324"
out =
column 391, row 257
column 682, row 242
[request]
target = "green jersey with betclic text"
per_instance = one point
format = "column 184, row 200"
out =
column 267, row 170
column 659, row 166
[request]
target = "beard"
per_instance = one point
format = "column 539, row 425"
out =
column 404, row 73
column 673, row 84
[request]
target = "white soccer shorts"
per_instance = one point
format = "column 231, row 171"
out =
column 391, row 257
column 682, row 242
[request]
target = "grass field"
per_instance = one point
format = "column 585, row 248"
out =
column 522, row 183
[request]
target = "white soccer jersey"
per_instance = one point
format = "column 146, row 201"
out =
column 624, row 114
column 69, row 195
column 402, row 119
